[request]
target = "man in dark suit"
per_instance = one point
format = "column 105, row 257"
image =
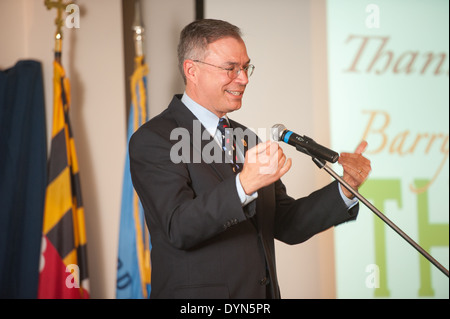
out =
column 212, row 223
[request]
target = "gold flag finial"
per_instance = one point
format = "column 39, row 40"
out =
column 59, row 5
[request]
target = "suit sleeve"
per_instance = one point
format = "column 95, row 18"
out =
column 166, row 191
column 298, row 220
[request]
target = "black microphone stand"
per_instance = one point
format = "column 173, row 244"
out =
column 322, row 164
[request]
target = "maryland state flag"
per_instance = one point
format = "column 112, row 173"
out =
column 63, row 264
column 133, row 268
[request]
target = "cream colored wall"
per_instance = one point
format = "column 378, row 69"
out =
column 285, row 40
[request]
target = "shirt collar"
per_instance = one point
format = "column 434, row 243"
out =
column 208, row 119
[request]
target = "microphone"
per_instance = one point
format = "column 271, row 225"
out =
column 303, row 144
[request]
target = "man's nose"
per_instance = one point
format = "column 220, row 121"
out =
column 242, row 78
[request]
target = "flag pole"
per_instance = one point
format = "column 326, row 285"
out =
column 59, row 5
column 138, row 29
column 140, row 68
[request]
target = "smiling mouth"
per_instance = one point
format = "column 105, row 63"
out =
column 235, row 93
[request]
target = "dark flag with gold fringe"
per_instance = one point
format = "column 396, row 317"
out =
column 23, row 177
column 63, row 266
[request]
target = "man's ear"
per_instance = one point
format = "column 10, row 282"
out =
column 190, row 70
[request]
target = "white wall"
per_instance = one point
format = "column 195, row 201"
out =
column 284, row 40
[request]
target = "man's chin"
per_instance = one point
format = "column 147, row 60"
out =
column 234, row 107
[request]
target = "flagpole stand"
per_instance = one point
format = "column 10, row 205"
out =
column 322, row 164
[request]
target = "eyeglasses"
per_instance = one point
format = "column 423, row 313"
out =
column 234, row 71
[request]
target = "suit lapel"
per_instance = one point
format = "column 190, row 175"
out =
column 199, row 137
column 244, row 139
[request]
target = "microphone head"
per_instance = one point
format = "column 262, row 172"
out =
column 277, row 131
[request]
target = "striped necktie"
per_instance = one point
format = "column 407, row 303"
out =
column 229, row 145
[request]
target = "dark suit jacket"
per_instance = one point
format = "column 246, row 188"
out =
column 204, row 243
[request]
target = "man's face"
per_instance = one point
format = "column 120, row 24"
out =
column 216, row 91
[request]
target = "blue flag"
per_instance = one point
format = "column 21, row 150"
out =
column 134, row 266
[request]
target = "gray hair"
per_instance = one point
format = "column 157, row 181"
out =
column 196, row 36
